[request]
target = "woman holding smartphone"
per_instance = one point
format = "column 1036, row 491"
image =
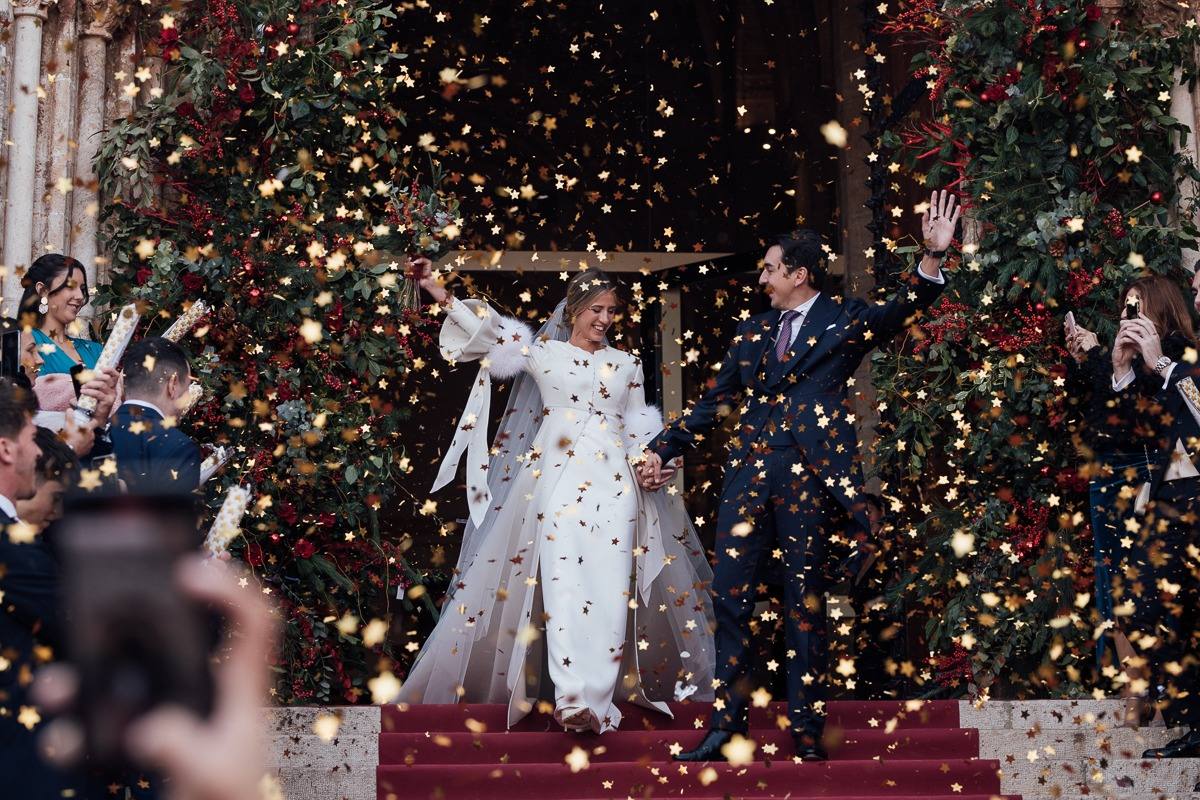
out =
column 1120, row 436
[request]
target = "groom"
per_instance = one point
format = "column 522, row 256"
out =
column 792, row 482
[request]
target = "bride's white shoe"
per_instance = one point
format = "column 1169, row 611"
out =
column 574, row 719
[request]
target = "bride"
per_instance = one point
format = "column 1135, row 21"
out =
column 573, row 582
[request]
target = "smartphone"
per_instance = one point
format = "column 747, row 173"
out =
column 10, row 354
column 135, row 639
column 76, row 381
column 1133, row 308
column 1071, row 323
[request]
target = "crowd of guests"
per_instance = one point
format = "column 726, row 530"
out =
column 1139, row 434
column 128, row 445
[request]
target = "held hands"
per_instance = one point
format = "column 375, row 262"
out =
column 939, row 220
column 652, row 475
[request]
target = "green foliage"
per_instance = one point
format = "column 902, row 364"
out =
column 1056, row 129
column 266, row 179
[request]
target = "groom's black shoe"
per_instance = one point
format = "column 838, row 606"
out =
column 810, row 749
column 1186, row 746
column 709, row 749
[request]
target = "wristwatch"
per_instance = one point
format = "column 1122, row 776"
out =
column 1162, row 363
column 936, row 253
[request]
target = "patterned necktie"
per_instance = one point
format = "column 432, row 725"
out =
column 784, row 340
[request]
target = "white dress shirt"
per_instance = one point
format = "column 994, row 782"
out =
column 8, row 507
column 801, row 312
column 144, row 404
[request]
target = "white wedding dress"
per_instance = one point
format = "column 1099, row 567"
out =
column 579, row 575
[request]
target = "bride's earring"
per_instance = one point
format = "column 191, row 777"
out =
column 44, row 306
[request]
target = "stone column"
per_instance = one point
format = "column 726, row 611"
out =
column 56, row 130
column 99, row 19
column 28, row 16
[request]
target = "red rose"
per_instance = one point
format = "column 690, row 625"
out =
column 254, row 554
column 304, row 548
column 1094, row 13
column 287, row 513
column 143, row 275
column 246, row 93
column 192, row 282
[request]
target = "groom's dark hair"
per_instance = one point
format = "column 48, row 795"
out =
column 802, row 248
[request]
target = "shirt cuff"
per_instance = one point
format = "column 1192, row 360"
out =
column 1119, row 385
column 939, row 278
column 1167, row 375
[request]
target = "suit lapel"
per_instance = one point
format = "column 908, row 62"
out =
column 758, row 350
column 822, row 314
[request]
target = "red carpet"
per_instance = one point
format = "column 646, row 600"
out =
column 878, row 751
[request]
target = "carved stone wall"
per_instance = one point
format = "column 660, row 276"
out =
column 64, row 70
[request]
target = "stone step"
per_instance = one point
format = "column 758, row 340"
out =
column 1099, row 776
column 352, row 720
column 1048, row 714
column 357, row 783
column 1065, row 745
column 308, row 751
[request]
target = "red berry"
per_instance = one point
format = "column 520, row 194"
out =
column 269, row 29
column 293, row 28
column 1156, row 196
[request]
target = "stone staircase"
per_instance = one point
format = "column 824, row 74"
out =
column 1047, row 750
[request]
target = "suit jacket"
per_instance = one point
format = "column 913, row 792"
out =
column 30, row 633
column 153, row 458
column 1177, row 405
column 801, row 399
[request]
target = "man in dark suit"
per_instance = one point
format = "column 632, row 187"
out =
column 153, row 455
column 793, row 482
column 29, row 623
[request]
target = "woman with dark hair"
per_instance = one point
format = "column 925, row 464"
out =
column 568, row 567
column 1120, row 438
column 56, row 288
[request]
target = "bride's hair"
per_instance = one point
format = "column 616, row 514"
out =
column 585, row 287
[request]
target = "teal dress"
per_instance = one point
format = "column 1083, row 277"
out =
column 58, row 361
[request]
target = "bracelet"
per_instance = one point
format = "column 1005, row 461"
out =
column 936, row 253
column 1162, row 363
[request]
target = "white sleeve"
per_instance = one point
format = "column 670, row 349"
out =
column 1123, row 383
column 474, row 331
column 642, row 421
column 939, row 278
column 1167, row 376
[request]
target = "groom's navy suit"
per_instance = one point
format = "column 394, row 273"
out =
column 792, row 482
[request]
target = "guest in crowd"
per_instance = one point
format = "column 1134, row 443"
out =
column 29, row 605
column 1119, row 436
column 56, row 288
column 57, row 471
column 1164, row 586
column 153, row 455
column 55, row 396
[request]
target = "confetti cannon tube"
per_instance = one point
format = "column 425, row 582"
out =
column 110, row 356
column 195, row 392
column 228, row 523
column 186, row 321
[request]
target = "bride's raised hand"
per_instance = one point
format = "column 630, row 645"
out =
column 421, row 270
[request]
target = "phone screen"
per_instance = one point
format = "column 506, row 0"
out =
column 137, row 642
column 1132, row 309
